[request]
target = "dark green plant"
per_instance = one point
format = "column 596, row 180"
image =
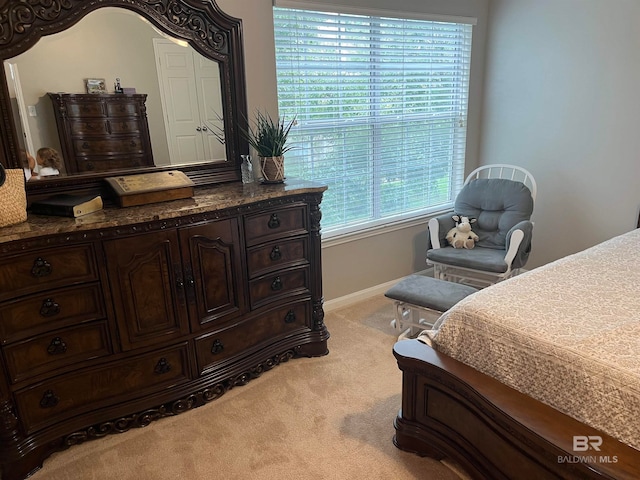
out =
column 269, row 137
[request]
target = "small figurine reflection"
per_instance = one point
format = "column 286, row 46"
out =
column 46, row 164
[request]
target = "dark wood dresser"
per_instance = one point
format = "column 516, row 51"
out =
column 102, row 132
column 124, row 316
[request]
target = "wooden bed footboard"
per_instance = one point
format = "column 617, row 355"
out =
column 493, row 431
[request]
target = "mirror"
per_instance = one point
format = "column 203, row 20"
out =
column 183, row 58
column 183, row 99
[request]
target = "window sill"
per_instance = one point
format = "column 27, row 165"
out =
column 340, row 239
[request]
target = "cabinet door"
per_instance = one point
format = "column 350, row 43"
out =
column 213, row 271
column 146, row 279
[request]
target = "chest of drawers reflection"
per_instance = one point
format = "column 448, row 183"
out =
column 102, row 132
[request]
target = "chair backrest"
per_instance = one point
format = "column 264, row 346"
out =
column 497, row 203
column 509, row 172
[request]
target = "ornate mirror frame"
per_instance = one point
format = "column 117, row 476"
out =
column 201, row 23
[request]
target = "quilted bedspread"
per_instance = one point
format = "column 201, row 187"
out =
column 567, row 334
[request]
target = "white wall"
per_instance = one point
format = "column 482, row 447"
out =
column 562, row 96
column 354, row 266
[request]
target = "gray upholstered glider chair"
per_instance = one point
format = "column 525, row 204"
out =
column 501, row 199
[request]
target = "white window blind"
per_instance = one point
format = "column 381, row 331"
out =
column 381, row 109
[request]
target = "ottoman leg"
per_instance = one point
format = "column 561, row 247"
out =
column 410, row 320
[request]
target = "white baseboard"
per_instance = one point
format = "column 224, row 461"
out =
column 355, row 297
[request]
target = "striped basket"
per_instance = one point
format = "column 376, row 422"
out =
column 13, row 198
column 272, row 169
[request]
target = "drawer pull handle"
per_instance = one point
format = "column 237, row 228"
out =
column 85, row 145
column 49, row 400
column 274, row 221
column 89, row 166
column 49, row 308
column 277, row 284
column 41, row 268
column 290, row 317
column 162, row 367
column 275, row 254
column 217, row 347
column 57, row 347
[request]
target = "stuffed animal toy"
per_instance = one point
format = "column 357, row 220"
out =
column 461, row 236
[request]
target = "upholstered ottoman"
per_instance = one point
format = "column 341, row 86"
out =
column 420, row 300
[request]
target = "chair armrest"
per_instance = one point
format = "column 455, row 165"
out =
column 518, row 244
column 437, row 230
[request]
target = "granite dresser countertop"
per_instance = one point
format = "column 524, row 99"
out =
column 206, row 199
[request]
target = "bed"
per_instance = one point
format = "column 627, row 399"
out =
column 534, row 377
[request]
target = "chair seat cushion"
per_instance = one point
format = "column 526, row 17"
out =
column 486, row 259
column 429, row 292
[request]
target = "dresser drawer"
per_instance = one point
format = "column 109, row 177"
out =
column 279, row 254
column 45, row 269
column 274, row 224
column 277, row 285
column 85, row 109
column 108, row 164
column 94, row 127
column 125, row 109
column 57, row 349
column 124, row 126
column 74, row 394
column 248, row 336
column 107, row 146
column 50, row 310
column 82, row 128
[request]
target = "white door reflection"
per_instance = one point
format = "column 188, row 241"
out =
column 191, row 102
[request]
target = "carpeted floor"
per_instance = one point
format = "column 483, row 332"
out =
column 319, row 418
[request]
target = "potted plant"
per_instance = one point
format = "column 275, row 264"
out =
column 268, row 137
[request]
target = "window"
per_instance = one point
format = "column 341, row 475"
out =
column 381, row 112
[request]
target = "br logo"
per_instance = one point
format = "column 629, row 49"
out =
column 583, row 443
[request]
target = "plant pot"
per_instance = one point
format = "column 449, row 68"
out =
column 272, row 169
